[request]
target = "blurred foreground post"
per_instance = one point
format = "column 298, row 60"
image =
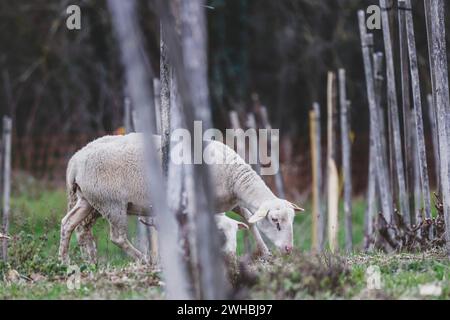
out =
column 189, row 61
column 317, row 214
column 7, row 127
column 417, row 100
column 193, row 84
column 138, row 79
column 386, row 196
column 346, row 159
column 332, row 172
column 440, row 71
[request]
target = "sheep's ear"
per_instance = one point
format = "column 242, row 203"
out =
column 296, row 207
column 259, row 215
column 242, row 225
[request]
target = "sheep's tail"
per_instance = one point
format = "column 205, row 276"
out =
column 71, row 186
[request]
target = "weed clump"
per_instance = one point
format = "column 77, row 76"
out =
column 28, row 257
column 299, row 276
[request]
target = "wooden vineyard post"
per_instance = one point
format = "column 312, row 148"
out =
column 378, row 79
column 332, row 172
column 406, row 108
column 440, row 71
column 346, row 159
column 279, row 183
column 416, row 176
column 434, row 134
column 372, row 185
column 394, row 113
column 431, row 99
column 236, row 125
column 417, row 100
column 253, row 148
column 7, row 128
column 316, row 160
column 386, row 196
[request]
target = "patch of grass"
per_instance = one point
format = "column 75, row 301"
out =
column 33, row 271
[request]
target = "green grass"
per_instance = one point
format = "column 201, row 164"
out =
column 33, row 271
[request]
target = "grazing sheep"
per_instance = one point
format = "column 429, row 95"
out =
column 229, row 227
column 106, row 177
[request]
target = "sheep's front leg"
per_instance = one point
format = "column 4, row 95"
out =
column 79, row 212
column 118, row 233
column 86, row 239
column 260, row 244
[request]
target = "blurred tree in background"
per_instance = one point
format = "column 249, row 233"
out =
column 56, row 80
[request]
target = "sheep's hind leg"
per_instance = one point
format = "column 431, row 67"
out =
column 80, row 211
column 86, row 239
column 118, row 233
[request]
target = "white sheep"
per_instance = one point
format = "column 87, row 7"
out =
column 106, row 177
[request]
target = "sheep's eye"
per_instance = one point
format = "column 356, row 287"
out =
column 275, row 220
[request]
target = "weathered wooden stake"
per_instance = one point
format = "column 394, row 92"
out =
column 333, row 178
column 253, row 148
column 434, row 135
column 378, row 63
column 346, row 159
column 417, row 99
column 386, row 196
column 279, row 183
column 394, row 113
column 431, row 99
column 316, row 160
column 406, row 108
column 7, row 127
column 440, row 71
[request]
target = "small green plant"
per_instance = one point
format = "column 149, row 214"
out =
column 28, row 255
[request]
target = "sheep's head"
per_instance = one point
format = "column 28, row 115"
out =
column 275, row 218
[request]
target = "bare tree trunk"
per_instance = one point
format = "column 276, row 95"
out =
column 386, row 196
column 346, row 159
column 316, row 160
column 417, row 99
column 138, row 79
column 440, row 70
column 333, row 178
column 394, row 114
column 7, row 127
